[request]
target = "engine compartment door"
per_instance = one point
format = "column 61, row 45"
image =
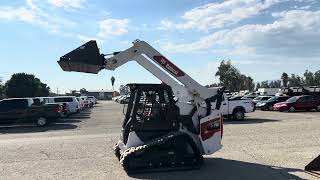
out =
column 211, row 130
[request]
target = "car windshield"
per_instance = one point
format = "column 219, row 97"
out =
column 272, row 99
column 292, row 99
column 257, row 98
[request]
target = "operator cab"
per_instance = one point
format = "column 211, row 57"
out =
column 151, row 112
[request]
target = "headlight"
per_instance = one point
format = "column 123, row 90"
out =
column 262, row 104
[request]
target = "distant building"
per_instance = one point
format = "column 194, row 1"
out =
column 101, row 95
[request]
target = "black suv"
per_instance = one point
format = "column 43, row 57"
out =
column 268, row 105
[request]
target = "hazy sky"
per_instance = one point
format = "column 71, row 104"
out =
column 263, row 38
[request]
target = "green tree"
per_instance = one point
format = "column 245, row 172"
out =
column 258, row 86
column 229, row 76
column 271, row 84
column 285, row 79
column 250, row 83
column 275, row 84
column 243, row 82
column 295, row 81
column 264, row 84
column 317, row 78
column 112, row 82
column 25, row 85
column 309, row 78
column 83, row 91
column 1, row 89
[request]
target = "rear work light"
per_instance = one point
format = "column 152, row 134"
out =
column 209, row 128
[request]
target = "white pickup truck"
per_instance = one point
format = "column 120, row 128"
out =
column 236, row 108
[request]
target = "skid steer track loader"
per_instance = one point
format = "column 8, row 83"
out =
column 167, row 126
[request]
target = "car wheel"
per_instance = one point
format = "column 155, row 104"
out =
column 42, row 121
column 270, row 108
column 292, row 109
column 238, row 115
column 318, row 107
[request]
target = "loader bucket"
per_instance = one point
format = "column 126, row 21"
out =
column 85, row 58
column 314, row 165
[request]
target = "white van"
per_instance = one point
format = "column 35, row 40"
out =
column 73, row 104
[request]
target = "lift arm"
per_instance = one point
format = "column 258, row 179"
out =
column 141, row 50
column 146, row 56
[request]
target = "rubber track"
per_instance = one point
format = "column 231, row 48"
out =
column 130, row 152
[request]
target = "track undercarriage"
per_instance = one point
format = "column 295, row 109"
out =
column 171, row 152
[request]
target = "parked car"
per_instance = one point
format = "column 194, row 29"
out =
column 85, row 100
column 268, row 105
column 91, row 100
column 73, row 103
column 65, row 110
column 125, row 99
column 304, row 102
column 250, row 96
column 65, row 106
column 82, row 103
column 118, row 98
column 236, row 108
column 260, row 98
column 37, row 101
column 24, row 110
column 114, row 98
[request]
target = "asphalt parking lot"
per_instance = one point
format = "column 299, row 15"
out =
column 267, row 145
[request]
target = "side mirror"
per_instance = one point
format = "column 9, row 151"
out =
column 175, row 99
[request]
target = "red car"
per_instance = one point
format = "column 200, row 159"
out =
column 305, row 102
